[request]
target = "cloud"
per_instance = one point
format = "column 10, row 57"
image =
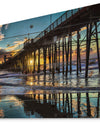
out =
column 0, row 26
column 16, row 44
column 84, row 28
column 11, row 47
column 10, row 51
column 2, row 51
column 1, row 36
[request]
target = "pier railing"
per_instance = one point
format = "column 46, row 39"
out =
column 53, row 26
column 57, row 22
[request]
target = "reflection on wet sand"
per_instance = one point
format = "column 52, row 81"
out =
column 25, row 100
column 52, row 80
column 60, row 80
column 51, row 105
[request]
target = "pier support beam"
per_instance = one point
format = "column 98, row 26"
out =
column 89, row 28
column 44, row 54
column 55, row 57
column 97, row 43
column 79, row 59
column 78, row 53
column 52, row 59
column 34, row 59
column 49, row 51
column 70, row 37
column 67, row 55
column 63, row 41
column 38, row 60
column 59, row 54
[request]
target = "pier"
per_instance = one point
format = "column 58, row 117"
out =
column 52, row 50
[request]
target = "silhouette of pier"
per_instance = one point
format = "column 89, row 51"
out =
column 52, row 50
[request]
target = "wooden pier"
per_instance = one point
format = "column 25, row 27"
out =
column 52, row 50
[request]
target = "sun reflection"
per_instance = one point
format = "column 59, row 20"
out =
column 29, row 92
column 30, row 81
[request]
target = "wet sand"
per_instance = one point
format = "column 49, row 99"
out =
column 39, row 96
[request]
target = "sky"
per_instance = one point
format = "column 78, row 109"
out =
column 13, row 35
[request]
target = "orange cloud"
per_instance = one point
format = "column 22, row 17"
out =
column 84, row 28
column 16, row 44
column 0, row 26
column 1, row 36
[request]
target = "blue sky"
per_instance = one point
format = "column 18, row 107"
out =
column 13, row 44
column 23, row 27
